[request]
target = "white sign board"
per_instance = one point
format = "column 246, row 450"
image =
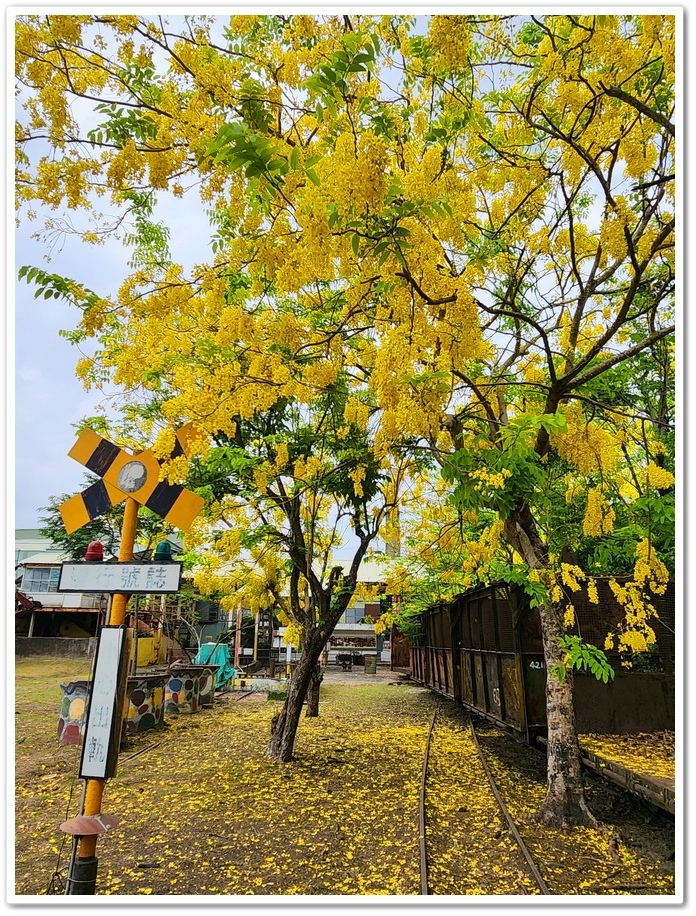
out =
column 102, row 704
column 144, row 578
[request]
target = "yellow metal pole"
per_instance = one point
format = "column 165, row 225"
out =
column 237, row 638
column 95, row 787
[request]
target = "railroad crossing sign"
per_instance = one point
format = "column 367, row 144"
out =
column 126, row 475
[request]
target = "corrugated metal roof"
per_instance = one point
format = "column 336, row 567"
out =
column 47, row 558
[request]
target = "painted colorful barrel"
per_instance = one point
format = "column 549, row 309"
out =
column 73, row 707
column 190, row 687
column 181, row 692
column 206, row 684
column 145, row 699
column 146, row 703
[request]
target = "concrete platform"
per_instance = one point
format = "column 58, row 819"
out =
column 334, row 674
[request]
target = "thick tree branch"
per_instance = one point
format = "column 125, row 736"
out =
column 644, row 109
column 576, row 381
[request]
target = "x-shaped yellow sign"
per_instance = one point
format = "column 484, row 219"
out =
column 125, row 475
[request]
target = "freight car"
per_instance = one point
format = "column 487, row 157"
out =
column 484, row 650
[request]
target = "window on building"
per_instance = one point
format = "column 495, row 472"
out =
column 41, row 579
column 351, row 615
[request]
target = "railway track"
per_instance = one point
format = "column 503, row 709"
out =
column 479, row 788
column 500, row 858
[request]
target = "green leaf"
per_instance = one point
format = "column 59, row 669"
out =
column 277, row 165
column 583, row 656
column 554, row 423
column 295, row 158
column 559, row 672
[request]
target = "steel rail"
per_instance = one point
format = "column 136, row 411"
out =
column 506, row 814
column 421, row 806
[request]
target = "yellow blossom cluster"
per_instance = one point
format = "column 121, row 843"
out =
column 282, row 456
column 421, row 181
column 659, row 477
column 451, row 39
column 571, row 576
column 585, row 444
column 479, row 553
column 384, row 622
column 636, row 641
column 635, row 633
column 309, row 468
column 357, row 475
column 592, row 594
column 599, row 515
column 490, row 479
column 649, row 570
column 293, row 635
column 533, row 370
column 357, row 412
column 366, row 592
column 268, row 471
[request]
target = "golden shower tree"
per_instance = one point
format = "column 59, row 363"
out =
column 456, row 233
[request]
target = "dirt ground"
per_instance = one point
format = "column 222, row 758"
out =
column 202, row 811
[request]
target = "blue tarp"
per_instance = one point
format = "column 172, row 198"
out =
column 212, row 654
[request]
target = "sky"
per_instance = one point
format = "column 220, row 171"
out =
column 44, row 399
column 43, row 392
column 49, row 400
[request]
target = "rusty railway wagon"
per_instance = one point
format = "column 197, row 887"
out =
column 483, row 649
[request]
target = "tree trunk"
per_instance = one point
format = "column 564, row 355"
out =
column 313, row 689
column 329, row 605
column 281, row 744
column 565, row 804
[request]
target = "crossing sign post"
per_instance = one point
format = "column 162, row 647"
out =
column 135, row 479
column 125, row 475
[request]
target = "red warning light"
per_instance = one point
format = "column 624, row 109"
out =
column 95, row 551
